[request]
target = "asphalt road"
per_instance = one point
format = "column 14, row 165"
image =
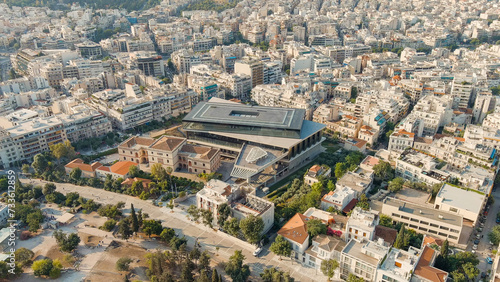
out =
column 208, row 238
column 483, row 251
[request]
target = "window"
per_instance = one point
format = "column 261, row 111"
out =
column 453, row 209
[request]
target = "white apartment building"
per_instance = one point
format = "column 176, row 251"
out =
column 358, row 181
column 315, row 172
column 23, row 140
column 361, row 225
column 133, row 109
column 418, row 167
column 362, row 259
column 338, row 199
column 399, row 265
column 282, row 96
column 324, row 248
column 422, row 219
column 467, row 203
column 462, row 90
column 241, row 200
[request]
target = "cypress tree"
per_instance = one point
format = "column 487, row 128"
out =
column 215, row 276
column 400, row 240
column 135, row 222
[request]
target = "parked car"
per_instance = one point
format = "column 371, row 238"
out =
column 257, row 252
column 483, row 275
column 474, row 247
column 476, row 242
column 489, row 260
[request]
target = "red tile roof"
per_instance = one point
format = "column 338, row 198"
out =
column 425, row 270
column 295, row 229
column 78, row 163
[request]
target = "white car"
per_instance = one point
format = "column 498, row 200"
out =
column 474, row 247
column 257, row 252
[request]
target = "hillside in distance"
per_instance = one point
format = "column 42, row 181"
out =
column 130, row 5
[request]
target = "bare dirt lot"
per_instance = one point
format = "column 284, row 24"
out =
column 105, row 268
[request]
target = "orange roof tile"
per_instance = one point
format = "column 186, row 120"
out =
column 315, row 168
column 425, row 270
column 404, row 132
column 167, row 143
column 295, row 229
column 78, row 163
column 120, row 168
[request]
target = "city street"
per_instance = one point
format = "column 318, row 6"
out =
column 483, row 251
column 207, row 237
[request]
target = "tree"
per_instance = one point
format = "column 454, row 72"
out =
column 396, row 184
column 203, row 276
column 208, row 217
column 330, row 186
column 75, row 174
column 315, row 227
column 458, row 276
column 232, row 227
column 399, row 243
column 25, row 168
column 385, row 220
column 494, row 235
column 340, row 169
column 34, row 219
column 58, row 151
column 470, row 270
column 215, row 276
column 223, row 211
column 383, row 170
column 167, row 234
column 40, row 164
column 193, row 212
column 354, row 278
column 42, row 267
column 328, row 267
column 235, row 268
column 170, row 205
column 275, row 275
column 133, row 219
column 158, row 172
column 445, row 249
column 133, row 171
column 24, row 256
column 48, row 189
column 67, row 243
column 108, row 225
column 123, row 264
column 152, row 227
column 124, row 228
column 281, row 247
column 204, row 261
column 252, row 227
column 187, row 271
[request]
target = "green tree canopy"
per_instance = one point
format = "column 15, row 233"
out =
column 281, row 247
column 235, row 268
column 252, row 227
